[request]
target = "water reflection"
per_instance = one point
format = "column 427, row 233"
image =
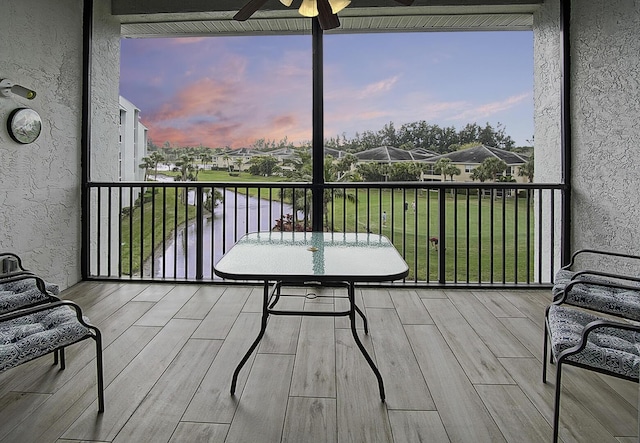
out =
column 233, row 218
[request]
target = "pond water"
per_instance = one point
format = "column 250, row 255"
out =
column 235, row 216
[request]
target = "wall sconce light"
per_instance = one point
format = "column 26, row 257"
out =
column 7, row 87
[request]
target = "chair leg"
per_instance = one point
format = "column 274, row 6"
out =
column 62, row 360
column 100, row 372
column 556, row 408
column 544, row 353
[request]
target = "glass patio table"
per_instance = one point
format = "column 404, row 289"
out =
column 281, row 258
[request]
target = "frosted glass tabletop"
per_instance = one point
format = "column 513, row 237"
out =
column 312, row 256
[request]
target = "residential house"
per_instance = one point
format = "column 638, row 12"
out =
column 466, row 160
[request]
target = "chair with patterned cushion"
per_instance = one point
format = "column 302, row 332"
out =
column 29, row 333
column 587, row 340
column 612, row 293
column 22, row 290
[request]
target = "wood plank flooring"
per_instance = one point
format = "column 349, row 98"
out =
column 458, row 366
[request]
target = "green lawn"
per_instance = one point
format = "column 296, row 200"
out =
column 467, row 228
column 224, row 177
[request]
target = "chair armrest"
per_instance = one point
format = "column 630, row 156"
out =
column 44, row 307
column 8, row 278
column 605, row 274
column 594, row 325
column 563, row 295
column 597, row 252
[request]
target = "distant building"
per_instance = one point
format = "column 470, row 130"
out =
column 470, row 158
column 133, row 146
column 389, row 154
column 133, row 142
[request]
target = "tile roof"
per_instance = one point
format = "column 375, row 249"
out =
column 477, row 154
column 389, row 154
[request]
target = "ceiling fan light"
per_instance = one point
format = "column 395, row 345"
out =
column 338, row 5
column 308, row 8
column 287, row 3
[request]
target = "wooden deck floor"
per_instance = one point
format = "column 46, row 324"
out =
column 460, row 366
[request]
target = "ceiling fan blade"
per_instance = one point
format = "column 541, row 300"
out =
column 405, row 2
column 248, row 10
column 326, row 17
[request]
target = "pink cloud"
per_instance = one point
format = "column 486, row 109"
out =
column 227, row 108
column 488, row 109
column 377, row 88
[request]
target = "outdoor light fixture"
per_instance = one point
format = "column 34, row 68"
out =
column 7, row 87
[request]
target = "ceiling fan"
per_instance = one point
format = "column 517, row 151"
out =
column 325, row 10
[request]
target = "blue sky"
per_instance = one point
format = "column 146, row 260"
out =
column 231, row 91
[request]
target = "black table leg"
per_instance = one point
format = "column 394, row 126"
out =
column 263, row 327
column 352, row 318
column 364, row 319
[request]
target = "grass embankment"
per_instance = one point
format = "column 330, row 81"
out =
column 143, row 229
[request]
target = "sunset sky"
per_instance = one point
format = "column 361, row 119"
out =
column 231, row 91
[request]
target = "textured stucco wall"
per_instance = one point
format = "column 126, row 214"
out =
column 547, row 83
column 548, row 161
column 40, row 185
column 41, row 47
column 605, row 76
column 105, row 86
column 606, row 110
column 105, row 129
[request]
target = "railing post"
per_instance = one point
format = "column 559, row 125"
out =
column 199, row 234
column 442, row 195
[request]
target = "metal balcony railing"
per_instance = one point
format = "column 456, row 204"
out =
column 450, row 233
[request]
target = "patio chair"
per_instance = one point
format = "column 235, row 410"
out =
column 20, row 290
column 20, row 287
column 601, row 291
column 589, row 340
column 29, row 333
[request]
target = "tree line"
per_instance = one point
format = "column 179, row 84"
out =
column 409, row 136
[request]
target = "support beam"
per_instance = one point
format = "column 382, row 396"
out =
column 565, row 128
column 85, row 140
column 317, row 143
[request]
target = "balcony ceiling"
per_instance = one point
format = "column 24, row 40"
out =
column 158, row 18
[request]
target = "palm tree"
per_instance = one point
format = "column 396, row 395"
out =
column 206, row 157
column 494, row 167
column 301, row 171
column 187, row 169
column 480, row 173
column 345, row 163
column 226, row 159
column 332, row 173
column 238, row 162
column 156, row 157
column 444, row 167
column 147, row 163
column 526, row 170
